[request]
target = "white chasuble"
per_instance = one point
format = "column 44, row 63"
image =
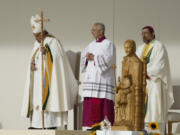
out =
column 160, row 93
column 60, row 86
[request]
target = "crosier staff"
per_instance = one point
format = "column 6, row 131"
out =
column 42, row 20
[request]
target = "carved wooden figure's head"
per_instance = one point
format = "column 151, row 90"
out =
column 130, row 47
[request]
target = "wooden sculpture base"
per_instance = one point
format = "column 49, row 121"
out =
column 43, row 132
column 121, row 128
column 122, row 125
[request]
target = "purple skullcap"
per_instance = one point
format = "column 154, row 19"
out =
column 150, row 28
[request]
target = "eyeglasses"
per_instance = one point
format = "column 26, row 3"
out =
column 95, row 30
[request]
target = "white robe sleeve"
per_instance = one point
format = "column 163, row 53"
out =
column 28, row 87
column 158, row 67
column 84, row 60
column 107, row 59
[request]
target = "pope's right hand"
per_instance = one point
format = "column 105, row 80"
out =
column 33, row 67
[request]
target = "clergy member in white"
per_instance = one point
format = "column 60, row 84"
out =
column 60, row 86
column 97, row 61
column 159, row 93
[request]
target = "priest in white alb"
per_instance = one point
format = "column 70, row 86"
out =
column 59, row 84
column 159, row 93
column 98, row 86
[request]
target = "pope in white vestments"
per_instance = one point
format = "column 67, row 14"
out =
column 60, row 87
column 159, row 93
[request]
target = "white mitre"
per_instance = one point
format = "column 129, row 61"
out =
column 36, row 26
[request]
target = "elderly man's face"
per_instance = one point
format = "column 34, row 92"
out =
column 147, row 36
column 96, row 31
column 129, row 49
column 37, row 36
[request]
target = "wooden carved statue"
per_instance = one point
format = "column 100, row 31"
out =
column 130, row 102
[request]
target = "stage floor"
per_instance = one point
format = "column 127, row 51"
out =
column 42, row 132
